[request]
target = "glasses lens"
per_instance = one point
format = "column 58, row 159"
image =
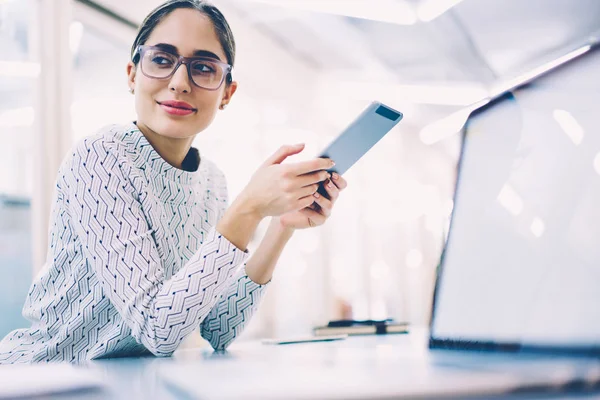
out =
column 207, row 74
column 158, row 64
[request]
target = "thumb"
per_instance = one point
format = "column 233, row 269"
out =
column 283, row 153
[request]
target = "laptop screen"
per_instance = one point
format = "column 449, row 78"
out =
column 522, row 262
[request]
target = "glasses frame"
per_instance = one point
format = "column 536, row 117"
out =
column 141, row 50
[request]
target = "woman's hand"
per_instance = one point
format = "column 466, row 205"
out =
column 312, row 216
column 273, row 190
column 276, row 188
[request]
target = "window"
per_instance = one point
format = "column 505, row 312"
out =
column 17, row 93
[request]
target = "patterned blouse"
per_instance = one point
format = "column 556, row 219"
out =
column 135, row 263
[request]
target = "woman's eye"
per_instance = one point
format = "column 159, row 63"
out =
column 204, row 68
column 159, row 60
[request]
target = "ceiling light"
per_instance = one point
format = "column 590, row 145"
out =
column 510, row 84
column 449, row 125
column 392, row 11
column 569, row 125
column 429, row 10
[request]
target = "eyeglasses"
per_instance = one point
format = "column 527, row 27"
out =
column 206, row 73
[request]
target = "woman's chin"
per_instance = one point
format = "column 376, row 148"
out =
column 176, row 129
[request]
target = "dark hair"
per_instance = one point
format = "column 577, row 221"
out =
column 159, row 13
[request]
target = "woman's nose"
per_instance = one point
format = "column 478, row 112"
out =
column 180, row 81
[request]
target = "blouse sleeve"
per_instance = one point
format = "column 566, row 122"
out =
column 237, row 304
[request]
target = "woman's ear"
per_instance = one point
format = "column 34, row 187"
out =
column 228, row 94
column 131, row 71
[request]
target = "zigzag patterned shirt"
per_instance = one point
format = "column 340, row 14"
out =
column 134, row 262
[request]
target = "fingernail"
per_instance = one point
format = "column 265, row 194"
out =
column 317, row 195
column 330, row 185
column 332, row 163
column 335, row 176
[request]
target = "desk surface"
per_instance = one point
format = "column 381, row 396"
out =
column 245, row 361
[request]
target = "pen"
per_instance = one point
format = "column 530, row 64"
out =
column 352, row 322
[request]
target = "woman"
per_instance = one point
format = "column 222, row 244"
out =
column 143, row 248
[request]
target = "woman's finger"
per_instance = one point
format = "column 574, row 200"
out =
column 325, row 205
column 306, row 191
column 283, row 153
column 311, row 178
column 339, row 181
column 332, row 190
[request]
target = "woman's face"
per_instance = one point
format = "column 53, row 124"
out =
column 189, row 32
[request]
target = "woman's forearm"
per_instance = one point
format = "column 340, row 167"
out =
column 261, row 264
column 238, row 224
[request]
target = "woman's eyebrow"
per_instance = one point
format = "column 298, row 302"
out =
column 206, row 53
column 198, row 53
column 167, row 47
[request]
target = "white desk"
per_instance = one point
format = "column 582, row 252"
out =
column 247, row 366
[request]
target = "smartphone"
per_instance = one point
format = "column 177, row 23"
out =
column 359, row 137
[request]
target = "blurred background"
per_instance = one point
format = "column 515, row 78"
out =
column 306, row 68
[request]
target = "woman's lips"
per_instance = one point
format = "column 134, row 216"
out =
column 176, row 107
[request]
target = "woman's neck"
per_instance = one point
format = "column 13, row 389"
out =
column 172, row 150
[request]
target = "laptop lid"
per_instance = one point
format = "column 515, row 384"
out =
column 521, row 267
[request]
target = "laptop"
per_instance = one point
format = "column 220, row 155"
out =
column 516, row 304
column 521, row 267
